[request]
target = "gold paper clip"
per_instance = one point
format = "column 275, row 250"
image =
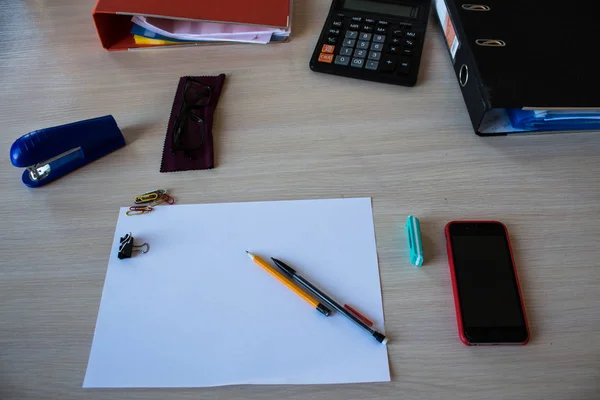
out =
column 146, row 198
column 138, row 210
column 158, row 191
column 150, row 196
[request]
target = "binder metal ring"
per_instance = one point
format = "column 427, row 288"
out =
column 476, row 7
column 490, row 42
column 463, row 75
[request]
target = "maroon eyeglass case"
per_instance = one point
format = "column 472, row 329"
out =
column 202, row 158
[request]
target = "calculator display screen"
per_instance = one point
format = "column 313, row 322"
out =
column 398, row 10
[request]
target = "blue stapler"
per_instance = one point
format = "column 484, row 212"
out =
column 47, row 154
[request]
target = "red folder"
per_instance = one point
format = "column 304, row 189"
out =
column 113, row 17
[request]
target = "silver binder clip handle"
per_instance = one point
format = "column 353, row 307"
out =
column 490, row 42
column 476, row 7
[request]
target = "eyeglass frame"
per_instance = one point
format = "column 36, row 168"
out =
column 185, row 113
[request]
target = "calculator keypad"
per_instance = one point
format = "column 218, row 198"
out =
column 342, row 60
column 357, row 62
column 360, row 53
column 326, row 58
column 327, row 48
column 363, row 44
column 364, row 36
column 372, row 65
column 374, row 45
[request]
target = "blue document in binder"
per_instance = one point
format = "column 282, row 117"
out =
column 554, row 120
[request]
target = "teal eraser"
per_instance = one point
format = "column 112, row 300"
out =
column 413, row 231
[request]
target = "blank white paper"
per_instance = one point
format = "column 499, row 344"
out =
column 196, row 311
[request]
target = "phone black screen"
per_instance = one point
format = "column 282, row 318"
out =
column 487, row 287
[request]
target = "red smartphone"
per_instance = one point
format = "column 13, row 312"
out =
column 487, row 297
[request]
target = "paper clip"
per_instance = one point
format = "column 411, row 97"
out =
column 138, row 210
column 151, row 199
column 159, row 191
column 146, row 198
column 156, row 202
column 167, row 199
column 163, row 198
column 126, row 247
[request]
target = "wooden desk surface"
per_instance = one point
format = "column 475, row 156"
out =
column 284, row 132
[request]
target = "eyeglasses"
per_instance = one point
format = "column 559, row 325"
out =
column 189, row 129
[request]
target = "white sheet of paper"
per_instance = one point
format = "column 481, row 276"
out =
column 196, row 311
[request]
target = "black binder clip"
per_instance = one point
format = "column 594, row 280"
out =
column 126, row 247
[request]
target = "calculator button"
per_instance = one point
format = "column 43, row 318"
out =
column 369, row 21
column 411, row 34
column 382, row 23
column 365, row 36
column 404, row 66
column 358, row 62
column 388, row 64
column 331, row 40
column 351, row 34
column 356, row 19
column 407, row 52
column 325, row 58
column 379, row 38
column 354, row 26
column 381, row 29
column 397, row 32
column 376, row 46
column 327, row 48
column 372, row 65
column 342, row 60
column 396, row 41
column 346, row 51
column 374, row 55
column 360, row 53
column 367, row 28
column 349, row 42
column 409, row 43
column 337, row 24
column 393, row 49
column 362, row 45
column 334, row 32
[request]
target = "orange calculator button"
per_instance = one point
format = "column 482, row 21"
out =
column 326, row 58
column 327, row 48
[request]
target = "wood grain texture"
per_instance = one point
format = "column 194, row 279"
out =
column 284, row 132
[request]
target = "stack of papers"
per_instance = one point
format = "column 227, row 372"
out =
column 167, row 31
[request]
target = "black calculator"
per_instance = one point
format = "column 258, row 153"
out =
column 376, row 40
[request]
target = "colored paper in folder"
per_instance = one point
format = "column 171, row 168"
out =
column 202, row 31
column 195, row 312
